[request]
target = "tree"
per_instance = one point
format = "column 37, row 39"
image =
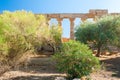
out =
column 101, row 32
column 85, row 32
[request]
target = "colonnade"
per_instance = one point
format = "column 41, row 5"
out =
column 72, row 16
column 72, row 24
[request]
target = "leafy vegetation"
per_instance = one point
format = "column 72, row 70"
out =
column 53, row 39
column 21, row 33
column 103, row 31
column 18, row 37
column 76, row 60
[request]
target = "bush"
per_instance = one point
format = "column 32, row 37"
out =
column 19, row 36
column 54, row 38
column 76, row 60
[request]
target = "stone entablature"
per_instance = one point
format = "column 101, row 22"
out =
column 83, row 16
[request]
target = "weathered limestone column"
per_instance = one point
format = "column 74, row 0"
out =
column 83, row 19
column 59, row 21
column 72, row 28
column 95, row 18
column 48, row 21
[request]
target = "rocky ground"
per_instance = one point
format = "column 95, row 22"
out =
column 42, row 68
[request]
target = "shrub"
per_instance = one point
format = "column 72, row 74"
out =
column 51, row 37
column 76, row 60
column 54, row 38
column 19, row 35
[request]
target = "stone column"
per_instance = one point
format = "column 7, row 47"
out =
column 95, row 18
column 72, row 28
column 48, row 21
column 59, row 21
column 83, row 19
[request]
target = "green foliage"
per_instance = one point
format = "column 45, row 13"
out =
column 20, row 33
column 76, row 60
column 85, row 32
column 56, row 33
column 116, row 24
column 53, row 38
column 101, row 32
column 107, row 28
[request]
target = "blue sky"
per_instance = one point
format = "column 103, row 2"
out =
column 60, row 6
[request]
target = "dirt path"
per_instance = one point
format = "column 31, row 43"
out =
column 111, row 70
column 42, row 68
column 39, row 68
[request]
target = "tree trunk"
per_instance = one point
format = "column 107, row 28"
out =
column 98, row 51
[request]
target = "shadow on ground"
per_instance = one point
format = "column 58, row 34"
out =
column 113, row 65
column 40, row 65
column 33, row 78
column 39, row 69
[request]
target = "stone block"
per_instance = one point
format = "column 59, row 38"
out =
column 60, row 78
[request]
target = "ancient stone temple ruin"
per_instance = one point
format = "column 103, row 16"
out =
column 83, row 16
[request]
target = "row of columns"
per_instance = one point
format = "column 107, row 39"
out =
column 71, row 25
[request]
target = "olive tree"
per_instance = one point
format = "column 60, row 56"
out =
column 101, row 32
